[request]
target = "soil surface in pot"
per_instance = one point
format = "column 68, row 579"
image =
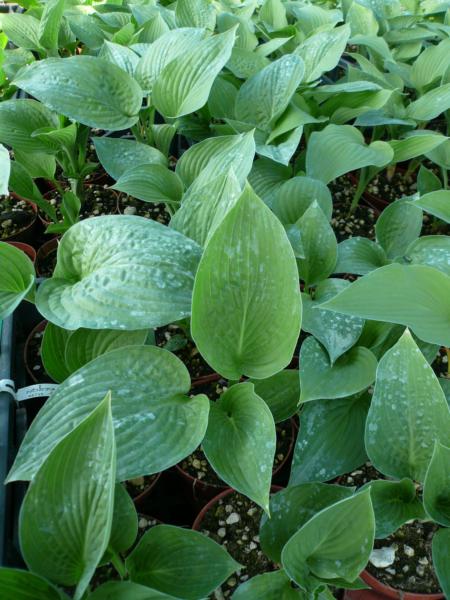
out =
column 345, row 225
column 412, row 570
column 198, row 467
column 234, row 523
column 440, row 364
column 361, row 476
column 98, row 200
column 135, row 487
column 149, row 210
column 15, row 215
column 392, row 186
column 34, row 359
column 173, row 338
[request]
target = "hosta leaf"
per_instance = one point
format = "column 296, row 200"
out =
column 266, row 177
column 338, row 149
column 296, row 195
column 291, row 508
column 87, row 89
column 23, row 585
column 119, row 55
column 394, row 503
column 87, row 30
column 120, row 272
column 319, row 245
column 322, row 51
column 441, row 550
column 195, row 13
column 280, row 149
column 273, row 15
column 321, row 380
column 436, row 203
column 399, row 224
column 240, row 442
column 5, row 170
column 441, row 156
column 415, row 144
column 244, row 63
column 281, row 393
column 360, row 256
column 124, row 527
column 50, row 23
column 17, row 278
column 53, row 348
column 156, row 425
column 18, row 120
column 65, row 518
column 275, row 585
column 127, row 590
column 430, row 105
column 265, row 96
column 222, row 98
column 334, row 544
column 418, row 298
column 118, row 155
column 330, row 441
column 407, row 414
column 361, row 19
column 431, row 250
column 427, row 181
column 436, row 489
column 431, row 64
column 180, row 562
column 184, row 84
column 204, row 207
column 258, row 278
column 22, row 30
column 151, row 183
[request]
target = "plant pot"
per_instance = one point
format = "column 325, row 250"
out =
column 379, row 591
column 47, row 249
column 26, row 233
column 141, row 497
column 27, row 353
column 29, row 250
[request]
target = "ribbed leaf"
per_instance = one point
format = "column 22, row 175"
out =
column 23, row 585
column 275, row 585
column 53, row 348
column 22, row 30
column 436, row 489
column 119, row 55
column 297, row 194
column 119, row 155
column 195, row 13
column 431, row 64
column 416, row 144
column 17, row 278
column 151, row 183
column 124, row 526
column 50, row 23
column 266, row 177
column 436, row 203
column 321, row 52
column 281, row 393
column 359, row 255
column 18, row 120
column 398, row 226
column 155, row 424
column 431, row 250
column 120, row 272
column 430, row 105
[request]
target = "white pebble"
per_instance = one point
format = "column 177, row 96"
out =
column 233, row 518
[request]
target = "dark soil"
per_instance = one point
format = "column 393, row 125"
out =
column 46, row 264
column 360, row 476
column 412, row 570
column 388, row 186
column 173, row 338
column 345, row 225
column 34, row 360
column 234, row 523
column 135, row 487
column 15, row 216
column 440, row 364
column 149, row 210
column 98, row 200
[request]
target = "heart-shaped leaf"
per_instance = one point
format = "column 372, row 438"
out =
column 151, row 183
column 240, row 442
column 398, row 226
column 258, row 278
column 281, row 393
column 359, row 255
column 101, row 260
column 321, row 380
column 322, row 51
column 119, row 55
column 156, row 425
column 266, row 178
column 66, row 515
column 297, row 194
column 18, row 120
column 179, row 561
column 119, row 155
column 436, row 489
column 17, row 278
column 408, row 413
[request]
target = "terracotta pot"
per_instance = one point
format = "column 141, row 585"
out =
column 26, row 234
column 226, row 492
column 29, row 250
column 139, row 499
column 379, row 591
column 39, row 328
column 47, row 248
column 197, row 381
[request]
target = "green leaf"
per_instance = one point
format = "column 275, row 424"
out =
column 265, row 96
column 430, row 105
column 23, row 585
column 5, row 170
column 431, row 64
column 418, row 298
column 338, row 333
column 179, row 561
column 184, row 84
column 291, row 508
column 222, row 98
column 266, row 178
column 18, row 120
column 17, row 278
column 360, row 256
column 321, row 380
column 407, row 414
column 204, row 207
column 436, row 203
column 436, row 489
column 431, row 250
column 156, row 425
column 119, row 155
column 66, row 515
column 441, row 156
column 334, row 544
column 195, row 13
column 394, row 503
column 87, row 89
column 338, row 149
column 119, row 55
column 127, row 590
column 124, row 527
column 22, row 30
column 427, row 181
column 281, row 393
column 52, row 352
column 258, row 278
column 151, row 183
column 330, row 441
column 415, row 144
column 362, row 20
column 244, row 63
column 268, row 586
column 50, row 24
column 319, row 246
column 100, row 261
column 240, row 442
column 296, row 195
column 441, row 550
column 84, row 345
column 398, row 226
column 322, row 51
